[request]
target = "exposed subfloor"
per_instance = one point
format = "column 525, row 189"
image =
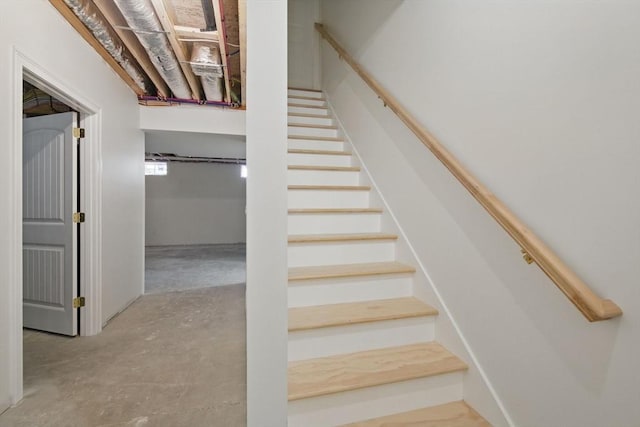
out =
column 172, row 268
column 173, row 359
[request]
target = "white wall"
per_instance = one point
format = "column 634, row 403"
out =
column 303, row 44
column 196, row 203
column 267, row 213
column 196, row 144
column 51, row 42
column 193, row 118
column 540, row 100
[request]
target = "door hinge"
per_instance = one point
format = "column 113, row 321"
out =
column 78, row 217
column 78, row 302
column 78, row 132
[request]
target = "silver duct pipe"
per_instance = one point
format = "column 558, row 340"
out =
column 142, row 19
column 97, row 24
column 206, row 63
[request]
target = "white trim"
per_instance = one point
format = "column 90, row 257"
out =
column 424, row 271
column 91, row 175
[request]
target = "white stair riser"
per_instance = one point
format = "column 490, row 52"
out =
column 303, row 254
column 304, row 293
column 315, row 177
column 308, row 144
column 308, row 110
column 302, row 199
column 325, row 342
column 325, row 121
column 318, row 159
column 307, row 93
column 333, row 223
column 310, row 102
column 306, row 131
column 372, row 402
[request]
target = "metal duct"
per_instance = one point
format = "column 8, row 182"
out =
column 142, row 19
column 206, row 63
column 97, row 24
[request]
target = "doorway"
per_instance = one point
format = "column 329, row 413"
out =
column 88, row 242
column 195, row 226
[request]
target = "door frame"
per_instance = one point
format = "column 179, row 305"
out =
column 25, row 68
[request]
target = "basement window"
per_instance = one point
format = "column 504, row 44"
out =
column 243, row 171
column 155, row 168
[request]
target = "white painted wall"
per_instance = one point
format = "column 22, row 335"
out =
column 304, row 44
column 540, row 100
column 123, row 147
column 266, row 213
column 195, row 203
column 196, row 144
column 193, row 118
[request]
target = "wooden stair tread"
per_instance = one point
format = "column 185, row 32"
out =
column 340, row 237
column 324, row 168
column 294, row 104
column 330, row 187
column 312, row 126
column 316, row 138
column 322, row 316
column 336, row 211
column 322, row 152
column 312, row 116
column 308, row 90
column 349, row 270
column 306, row 98
column 454, row 414
column 344, row 372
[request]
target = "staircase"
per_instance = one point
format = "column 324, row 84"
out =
column 362, row 349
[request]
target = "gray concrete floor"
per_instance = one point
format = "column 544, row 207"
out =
column 169, row 360
column 172, row 268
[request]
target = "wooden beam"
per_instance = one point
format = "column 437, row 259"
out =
column 89, row 37
column 115, row 18
column 166, row 16
column 217, row 10
column 195, row 33
column 242, row 20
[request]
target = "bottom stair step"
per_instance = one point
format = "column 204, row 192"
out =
column 454, row 414
column 344, row 372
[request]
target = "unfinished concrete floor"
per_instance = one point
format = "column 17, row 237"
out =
column 172, row 268
column 169, row 360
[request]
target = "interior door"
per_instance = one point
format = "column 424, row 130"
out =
column 48, row 230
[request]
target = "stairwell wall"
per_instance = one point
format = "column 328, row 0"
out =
column 539, row 100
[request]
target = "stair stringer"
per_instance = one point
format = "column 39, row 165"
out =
column 477, row 388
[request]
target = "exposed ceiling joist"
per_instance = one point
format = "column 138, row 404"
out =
column 88, row 36
column 220, row 25
column 164, row 11
column 168, row 31
column 117, row 21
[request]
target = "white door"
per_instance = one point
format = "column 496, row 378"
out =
column 48, row 232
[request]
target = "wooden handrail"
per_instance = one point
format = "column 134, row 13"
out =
column 592, row 306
